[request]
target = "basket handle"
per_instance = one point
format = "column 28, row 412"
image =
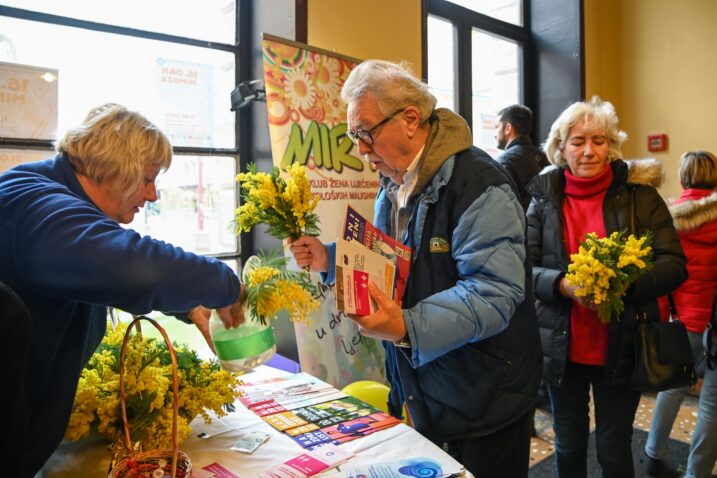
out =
column 175, row 389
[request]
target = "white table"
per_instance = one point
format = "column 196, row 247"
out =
column 89, row 458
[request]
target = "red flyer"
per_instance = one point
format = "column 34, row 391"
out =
column 357, row 228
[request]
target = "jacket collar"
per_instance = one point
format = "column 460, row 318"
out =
column 693, row 211
column 645, row 172
column 518, row 141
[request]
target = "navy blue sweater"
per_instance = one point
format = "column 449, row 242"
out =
column 67, row 261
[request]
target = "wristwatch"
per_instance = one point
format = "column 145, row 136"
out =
column 405, row 342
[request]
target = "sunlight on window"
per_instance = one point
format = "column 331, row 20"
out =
column 185, row 90
column 510, row 11
column 496, row 84
column 211, row 20
column 441, row 53
column 195, row 208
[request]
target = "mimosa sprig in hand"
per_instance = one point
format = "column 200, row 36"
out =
column 285, row 206
column 604, row 268
column 271, row 288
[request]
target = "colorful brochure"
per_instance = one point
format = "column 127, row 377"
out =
column 418, row 466
column 357, row 228
column 347, row 430
column 309, row 463
column 296, row 389
column 356, row 265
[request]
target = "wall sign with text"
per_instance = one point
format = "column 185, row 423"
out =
column 28, row 101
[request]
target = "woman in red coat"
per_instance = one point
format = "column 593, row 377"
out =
column 695, row 218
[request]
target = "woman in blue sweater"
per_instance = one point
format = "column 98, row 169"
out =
column 64, row 253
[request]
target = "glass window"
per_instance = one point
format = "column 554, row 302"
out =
column 183, row 89
column 195, row 209
column 496, row 84
column 510, row 11
column 212, row 20
column 441, row 68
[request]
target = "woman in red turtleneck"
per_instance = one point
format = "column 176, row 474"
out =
column 589, row 191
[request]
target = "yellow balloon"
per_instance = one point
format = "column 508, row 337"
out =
column 373, row 393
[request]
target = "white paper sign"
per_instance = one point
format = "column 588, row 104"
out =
column 28, row 101
column 10, row 158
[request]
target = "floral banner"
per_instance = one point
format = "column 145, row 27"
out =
column 307, row 125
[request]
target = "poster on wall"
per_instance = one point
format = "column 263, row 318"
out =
column 9, row 158
column 28, row 101
column 185, row 102
column 307, row 124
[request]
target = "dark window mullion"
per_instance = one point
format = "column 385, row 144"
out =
column 464, row 73
column 244, row 115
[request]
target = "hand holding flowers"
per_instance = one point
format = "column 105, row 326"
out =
column 286, row 207
column 604, row 268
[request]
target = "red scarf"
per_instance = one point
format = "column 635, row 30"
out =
column 582, row 213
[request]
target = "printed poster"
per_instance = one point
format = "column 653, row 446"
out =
column 185, row 102
column 9, row 158
column 307, row 124
column 28, row 102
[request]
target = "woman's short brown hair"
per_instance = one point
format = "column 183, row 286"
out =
column 698, row 170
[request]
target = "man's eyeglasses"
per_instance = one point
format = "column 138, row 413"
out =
column 366, row 135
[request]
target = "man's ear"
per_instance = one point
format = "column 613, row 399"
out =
column 412, row 118
column 508, row 129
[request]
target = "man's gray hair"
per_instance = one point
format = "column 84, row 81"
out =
column 596, row 115
column 393, row 85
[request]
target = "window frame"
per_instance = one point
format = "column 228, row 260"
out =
column 239, row 60
column 464, row 21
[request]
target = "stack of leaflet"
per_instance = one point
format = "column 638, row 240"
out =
column 311, row 411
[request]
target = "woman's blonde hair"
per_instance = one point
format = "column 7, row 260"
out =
column 393, row 85
column 113, row 145
column 698, row 170
column 596, row 115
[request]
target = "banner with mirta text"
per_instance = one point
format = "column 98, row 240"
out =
column 307, row 124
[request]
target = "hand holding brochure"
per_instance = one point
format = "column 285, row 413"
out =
column 357, row 228
column 356, row 265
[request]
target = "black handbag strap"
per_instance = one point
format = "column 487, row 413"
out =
column 713, row 319
column 673, row 308
column 633, row 215
column 709, row 357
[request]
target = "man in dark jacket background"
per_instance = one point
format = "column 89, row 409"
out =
column 520, row 157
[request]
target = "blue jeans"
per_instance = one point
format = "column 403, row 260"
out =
column 615, row 409
column 703, row 450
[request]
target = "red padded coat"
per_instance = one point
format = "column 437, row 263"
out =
column 695, row 218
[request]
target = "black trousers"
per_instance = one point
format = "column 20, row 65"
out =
column 15, row 333
column 503, row 454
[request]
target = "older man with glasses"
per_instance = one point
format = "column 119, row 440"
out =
column 462, row 348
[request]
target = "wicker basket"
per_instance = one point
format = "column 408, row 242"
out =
column 144, row 463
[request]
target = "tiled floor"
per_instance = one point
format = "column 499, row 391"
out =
column 543, row 446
